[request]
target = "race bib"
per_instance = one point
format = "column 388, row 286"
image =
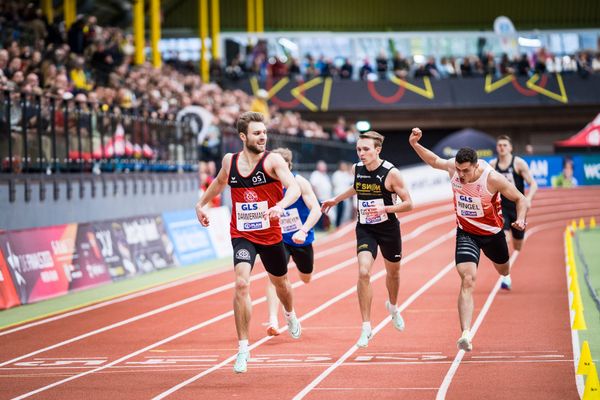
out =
column 252, row 216
column 365, row 212
column 290, row 221
column 468, row 207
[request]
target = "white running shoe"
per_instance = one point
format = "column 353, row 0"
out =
column 506, row 283
column 294, row 327
column 365, row 336
column 464, row 343
column 241, row 362
column 396, row 317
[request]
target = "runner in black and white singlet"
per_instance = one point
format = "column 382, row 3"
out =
column 516, row 171
column 377, row 184
column 256, row 178
column 476, row 193
column 297, row 226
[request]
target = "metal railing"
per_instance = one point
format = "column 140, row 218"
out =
column 43, row 133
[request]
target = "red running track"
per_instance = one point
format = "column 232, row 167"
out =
column 178, row 342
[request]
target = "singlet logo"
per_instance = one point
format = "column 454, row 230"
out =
column 242, row 254
column 380, row 178
column 250, row 196
column 363, row 176
column 233, row 179
column 258, row 178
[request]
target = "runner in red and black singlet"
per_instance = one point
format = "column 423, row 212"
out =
column 256, row 178
column 377, row 184
column 251, row 197
column 476, row 194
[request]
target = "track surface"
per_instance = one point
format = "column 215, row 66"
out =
column 179, row 342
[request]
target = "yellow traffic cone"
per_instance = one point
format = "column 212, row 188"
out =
column 574, row 286
column 585, row 359
column 581, row 224
column 579, row 321
column 592, row 223
column 592, row 385
column 577, row 304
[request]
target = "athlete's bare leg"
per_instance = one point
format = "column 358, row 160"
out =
column 304, row 277
column 517, row 244
column 468, row 273
column 363, row 287
column 284, row 291
column 242, row 305
column 392, row 279
column 503, row 269
column 272, row 303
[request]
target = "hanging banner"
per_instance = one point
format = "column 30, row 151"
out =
column 191, row 241
column 45, row 263
column 143, row 244
column 8, row 295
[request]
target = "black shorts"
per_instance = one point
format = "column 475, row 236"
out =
column 510, row 216
column 303, row 256
column 273, row 256
column 386, row 235
column 468, row 247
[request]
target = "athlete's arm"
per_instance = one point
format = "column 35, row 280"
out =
column 395, row 183
column 214, row 189
column 327, row 204
column 427, row 155
column 281, row 171
column 498, row 183
column 310, row 199
column 523, row 169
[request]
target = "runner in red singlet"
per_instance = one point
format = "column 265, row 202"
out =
column 256, row 177
column 476, row 188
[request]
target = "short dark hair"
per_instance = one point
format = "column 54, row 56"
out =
column 245, row 119
column 376, row 136
column 466, row 154
column 504, row 137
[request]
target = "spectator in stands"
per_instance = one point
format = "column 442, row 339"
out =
column 366, row 70
column 346, row 70
column 341, row 180
column 339, row 130
column 79, row 77
column 322, row 186
column 294, row 69
column 584, row 66
column 400, row 66
column 235, row 70
column 382, row 65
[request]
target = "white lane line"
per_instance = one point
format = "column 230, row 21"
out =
column 342, row 389
column 325, row 305
column 195, row 366
column 354, row 348
column 441, row 394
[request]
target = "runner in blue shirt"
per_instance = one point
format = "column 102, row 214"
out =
column 297, row 224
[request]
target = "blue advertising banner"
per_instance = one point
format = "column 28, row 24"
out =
column 191, row 241
column 591, row 170
column 544, row 168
